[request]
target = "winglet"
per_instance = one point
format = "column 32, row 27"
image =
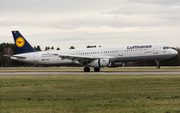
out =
column 22, row 45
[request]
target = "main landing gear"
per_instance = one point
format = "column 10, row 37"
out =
column 157, row 64
column 87, row 69
column 96, row 69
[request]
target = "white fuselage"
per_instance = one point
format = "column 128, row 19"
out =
column 115, row 54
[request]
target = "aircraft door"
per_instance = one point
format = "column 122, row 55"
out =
column 78, row 53
column 35, row 58
column 120, row 52
column 155, row 49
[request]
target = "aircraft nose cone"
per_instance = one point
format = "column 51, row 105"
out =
column 175, row 52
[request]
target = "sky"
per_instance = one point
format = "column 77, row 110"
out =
column 79, row 23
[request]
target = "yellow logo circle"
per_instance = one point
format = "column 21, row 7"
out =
column 20, row 42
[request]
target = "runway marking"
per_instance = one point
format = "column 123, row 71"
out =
column 95, row 73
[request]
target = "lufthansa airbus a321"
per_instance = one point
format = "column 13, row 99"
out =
column 91, row 57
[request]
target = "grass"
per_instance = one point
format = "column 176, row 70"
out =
column 90, row 93
column 81, row 69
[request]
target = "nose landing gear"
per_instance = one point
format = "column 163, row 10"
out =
column 157, row 64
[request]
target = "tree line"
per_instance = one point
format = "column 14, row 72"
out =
column 10, row 49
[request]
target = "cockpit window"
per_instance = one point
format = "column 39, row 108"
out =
column 167, row 47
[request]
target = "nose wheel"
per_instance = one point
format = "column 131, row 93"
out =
column 157, row 64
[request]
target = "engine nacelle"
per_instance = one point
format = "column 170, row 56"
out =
column 101, row 63
column 118, row 64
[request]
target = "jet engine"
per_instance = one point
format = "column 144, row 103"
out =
column 101, row 63
column 118, row 64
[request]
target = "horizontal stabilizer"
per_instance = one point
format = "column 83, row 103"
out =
column 7, row 55
column 15, row 57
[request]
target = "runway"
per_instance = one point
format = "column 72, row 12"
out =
column 95, row 73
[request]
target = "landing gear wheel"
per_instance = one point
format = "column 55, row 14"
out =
column 96, row 69
column 86, row 69
column 157, row 63
column 158, row 67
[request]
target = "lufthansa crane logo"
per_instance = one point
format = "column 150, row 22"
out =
column 20, row 42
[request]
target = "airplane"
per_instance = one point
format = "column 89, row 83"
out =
column 91, row 57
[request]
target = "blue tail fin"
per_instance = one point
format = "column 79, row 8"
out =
column 22, row 45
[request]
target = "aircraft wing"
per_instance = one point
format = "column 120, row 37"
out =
column 77, row 57
column 80, row 58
